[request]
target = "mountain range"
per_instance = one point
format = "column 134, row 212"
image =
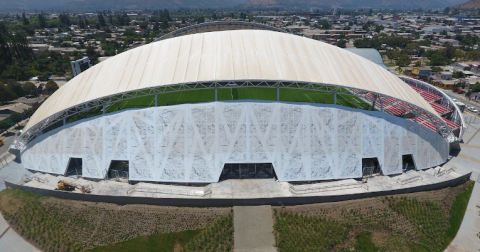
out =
column 471, row 5
column 93, row 5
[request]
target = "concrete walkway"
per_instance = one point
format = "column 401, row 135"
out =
column 253, row 227
column 466, row 239
column 12, row 242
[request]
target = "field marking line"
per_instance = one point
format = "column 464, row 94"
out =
column 123, row 106
column 309, row 98
column 153, row 101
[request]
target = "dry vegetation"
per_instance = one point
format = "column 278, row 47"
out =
column 66, row 225
column 409, row 222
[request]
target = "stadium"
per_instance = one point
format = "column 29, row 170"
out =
column 205, row 107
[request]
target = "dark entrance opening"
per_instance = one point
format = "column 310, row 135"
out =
column 248, row 171
column 408, row 163
column 74, row 167
column 370, row 166
column 118, row 170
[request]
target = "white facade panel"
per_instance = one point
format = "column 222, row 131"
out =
column 193, row 142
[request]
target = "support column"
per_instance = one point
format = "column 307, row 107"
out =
column 373, row 103
column 415, row 117
column 381, row 105
column 216, row 93
column 278, row 92
column 103, row 108
column 64, row 120
column 335, row 97
column 156, row 98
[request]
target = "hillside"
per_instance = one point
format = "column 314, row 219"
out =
column 92, row 5
column 406, row 4
column 470, row 5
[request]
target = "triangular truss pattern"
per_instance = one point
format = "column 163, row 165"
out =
column 191, row 143
column 381, row 100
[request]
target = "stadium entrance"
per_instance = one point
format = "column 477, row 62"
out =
column 247, row 171
column 74, row 168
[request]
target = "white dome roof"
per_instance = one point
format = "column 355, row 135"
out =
column 227, row 55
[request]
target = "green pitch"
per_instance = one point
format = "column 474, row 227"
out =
column 227, row 94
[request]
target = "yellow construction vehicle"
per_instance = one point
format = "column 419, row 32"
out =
column 67, row 186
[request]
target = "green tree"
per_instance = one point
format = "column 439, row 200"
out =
column 6, row 94
column 101, row 20
column 390, row 55
column 51, row 86
column 16, row 117
column 29, row 88
column 42, row 22
column 27, row 112
column 4, row 125
column 458, row 74
column 404, row 60
column 475, row 87
column 459, row 54
column 214, row 16
column 25, row 19
column 341, row 43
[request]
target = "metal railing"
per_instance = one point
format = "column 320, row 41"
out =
column 150, row 190
column 26, row 179
column 7, row 158
column 410, row 180
column 326, row 188
column 445, row 171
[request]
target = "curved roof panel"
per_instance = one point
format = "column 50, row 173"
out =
column 227, row 55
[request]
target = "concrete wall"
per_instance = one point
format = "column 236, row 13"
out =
column 209, row 202
column 192, row 142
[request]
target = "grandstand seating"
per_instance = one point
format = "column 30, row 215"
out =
column 398, row 108
column 451, row 124
column 442, row 110
column 429, row 97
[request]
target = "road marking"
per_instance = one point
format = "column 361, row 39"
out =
column 470, row 146
column 4, row 232
column 469, row 158
column 472, row 137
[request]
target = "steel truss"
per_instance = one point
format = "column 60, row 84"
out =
column 37, row 129
column 231, row 25
column 446, row 101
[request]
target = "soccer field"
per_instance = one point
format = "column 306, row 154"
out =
column 227, row 94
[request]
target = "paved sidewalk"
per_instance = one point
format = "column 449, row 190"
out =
column 466, row 239
column 253, row 227
column 12, row 242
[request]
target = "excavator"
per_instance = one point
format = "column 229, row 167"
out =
column 67, row 186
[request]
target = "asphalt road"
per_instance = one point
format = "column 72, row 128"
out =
column 8, row 139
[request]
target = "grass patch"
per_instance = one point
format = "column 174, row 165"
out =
column 457, row 212
column 417, row 222
column 68, row 225
column 295, row 232
column 216, row 237
column 428, row 217
column 162, row 242
column 364, row 242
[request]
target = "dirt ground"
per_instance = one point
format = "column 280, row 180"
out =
column 374, row 215
column 103, row 223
